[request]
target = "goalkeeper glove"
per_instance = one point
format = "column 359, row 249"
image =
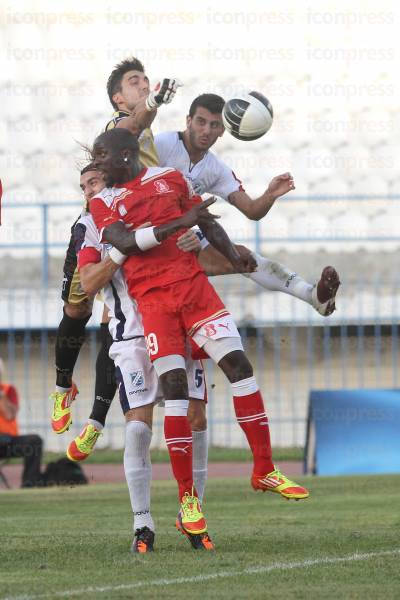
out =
column 163, row 93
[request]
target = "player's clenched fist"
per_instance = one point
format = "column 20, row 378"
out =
column 163, row 93
column 199, row 214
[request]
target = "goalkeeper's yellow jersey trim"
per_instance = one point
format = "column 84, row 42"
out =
column 147, row 149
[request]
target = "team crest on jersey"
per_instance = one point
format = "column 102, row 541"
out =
column 161, row 186
column 137, row 378
column 122, row 210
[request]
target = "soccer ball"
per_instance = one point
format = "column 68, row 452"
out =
column 248, row 117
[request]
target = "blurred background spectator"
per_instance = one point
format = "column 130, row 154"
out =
column 13, row 445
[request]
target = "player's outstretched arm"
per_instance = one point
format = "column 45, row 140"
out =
column 145, row 110
column 134, row 242
column 219, row 239
column 140, row 118
column 258, row 208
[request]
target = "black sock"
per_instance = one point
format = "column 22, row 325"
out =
column 106, row 385
column 70, row 337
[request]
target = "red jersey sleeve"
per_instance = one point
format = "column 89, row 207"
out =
column 103, row 215
column 87, row 256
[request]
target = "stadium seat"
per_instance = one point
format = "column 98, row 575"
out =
column 386, row 160
column 52, row 99
column 24, row 194
column 330, row 127
column 372, row 126
column 314, row 162
column 290, row 129
column 50, row 169
column 371, row 184
column 16, row 102
column 353, row 161
column 334, row 185
column 27, row 136
column 64, row 135
column 4, row 146
column 276, row 159
column 239, row 228
column 21, row 225
column 92, row 104
column 395, row 122
column 394, row 187
column 28, row 45
column 349, row 224
column 13, row 169
column 274, row 226
column 382, row 224
column 308, row 225
column 61, row 219
column 63, row 194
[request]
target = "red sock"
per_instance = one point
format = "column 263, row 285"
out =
column 178, row 437
column 250, row 414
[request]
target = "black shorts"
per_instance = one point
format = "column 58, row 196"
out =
column 71, row 286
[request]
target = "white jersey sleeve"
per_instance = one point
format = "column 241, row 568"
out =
column 226, row 181
column 86, row 234
column 126, row 321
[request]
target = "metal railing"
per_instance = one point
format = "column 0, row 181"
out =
column 255, row 240
column 292, row 349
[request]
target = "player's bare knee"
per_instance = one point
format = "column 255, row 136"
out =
column 144, row 414
column 174, row 384
column 171, row 371
column 236, row 366
column 78, row 311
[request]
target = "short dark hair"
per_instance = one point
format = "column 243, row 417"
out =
column 89, row 167
column 211, row 102
column 120, row 139
column 114, row 81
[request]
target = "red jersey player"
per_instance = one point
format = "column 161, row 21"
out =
column 176, row 300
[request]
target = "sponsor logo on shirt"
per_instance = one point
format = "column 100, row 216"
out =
column 122, row 210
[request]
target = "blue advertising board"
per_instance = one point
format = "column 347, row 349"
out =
column 353, row 432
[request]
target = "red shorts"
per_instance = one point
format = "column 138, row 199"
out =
column 173, row 312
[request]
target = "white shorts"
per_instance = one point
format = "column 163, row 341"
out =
column 137, row 379
column 218, row 337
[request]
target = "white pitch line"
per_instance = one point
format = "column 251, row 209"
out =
column 327, row 560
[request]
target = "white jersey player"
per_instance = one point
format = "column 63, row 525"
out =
column 189, row 152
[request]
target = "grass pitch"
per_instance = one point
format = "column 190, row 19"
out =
column 343, row 542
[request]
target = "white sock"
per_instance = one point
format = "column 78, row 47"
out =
column 62, row 390
column 176, row 408
column 137, row 466
column 200, row 460
column 275, row 277
column 99, row 426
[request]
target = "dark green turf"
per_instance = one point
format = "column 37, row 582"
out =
column 62, row 540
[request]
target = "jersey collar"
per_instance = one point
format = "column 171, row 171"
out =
column 133, row 182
